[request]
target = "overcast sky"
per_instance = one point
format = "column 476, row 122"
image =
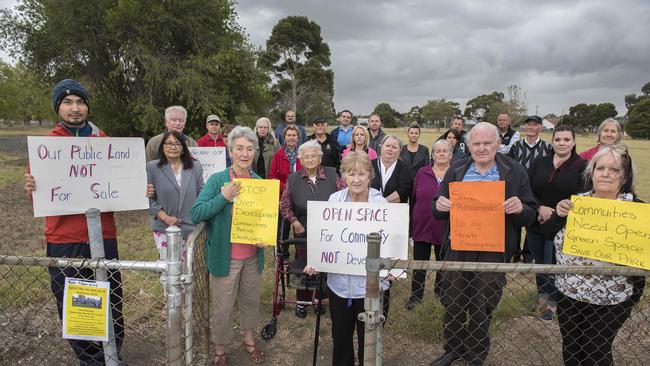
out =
column 406, row 52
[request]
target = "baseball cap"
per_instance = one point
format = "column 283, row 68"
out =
column 213, row 117
column 536, row 119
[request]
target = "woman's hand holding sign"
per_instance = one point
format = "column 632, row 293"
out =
column 563, row 208
column 231, row 190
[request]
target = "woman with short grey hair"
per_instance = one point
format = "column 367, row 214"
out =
column 235, row 268
column 609, row 132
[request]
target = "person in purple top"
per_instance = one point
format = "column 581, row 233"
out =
column 426, row 231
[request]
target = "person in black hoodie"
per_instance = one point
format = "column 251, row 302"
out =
column 552, row 178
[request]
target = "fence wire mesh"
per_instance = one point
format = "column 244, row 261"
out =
column 30, row 324
column 497, row 314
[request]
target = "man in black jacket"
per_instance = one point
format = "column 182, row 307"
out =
column 470, row 297
column 331, row 151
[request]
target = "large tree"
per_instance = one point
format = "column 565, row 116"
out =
column 299, row 60
column 389, row 117
column 588, row 116
column 440, row 112
column 638, row 125
column 23, row 97
column 479, row 107
column 138, row 57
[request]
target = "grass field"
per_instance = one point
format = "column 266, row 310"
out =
column 411, row 337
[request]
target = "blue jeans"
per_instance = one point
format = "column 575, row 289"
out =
column 543, row 253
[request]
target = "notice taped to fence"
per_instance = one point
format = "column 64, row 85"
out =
column 477, row 217
column 255, row 212
column 212, row 159
column 336, row 235
column 74, row 174
column 609, row 230
column 85, row 309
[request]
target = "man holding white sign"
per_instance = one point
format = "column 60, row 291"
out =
column 213, row 138
column 67, row 236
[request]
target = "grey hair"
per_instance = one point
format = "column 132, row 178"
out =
column 388, row 137
column 175, row 108
column 264, row 119
column 624, row 162
column 239, row 132
column 483, row 126
column 441, row 142
column 618, row 128
column 311, row 144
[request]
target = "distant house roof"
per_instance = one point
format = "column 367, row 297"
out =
column 548, row 125
column 470, row 122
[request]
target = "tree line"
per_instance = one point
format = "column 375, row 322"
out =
column 137, row 58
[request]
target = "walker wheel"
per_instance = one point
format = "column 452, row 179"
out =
column 268, row 332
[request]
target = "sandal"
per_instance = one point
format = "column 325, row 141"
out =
column 220, row 360
column 256, row 355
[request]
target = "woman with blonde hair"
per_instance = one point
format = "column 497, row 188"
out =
column 360, row 138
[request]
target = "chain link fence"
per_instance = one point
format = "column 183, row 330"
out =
column 158, row 318
column 495, row 314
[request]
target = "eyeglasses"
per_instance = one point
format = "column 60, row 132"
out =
column 172, row 145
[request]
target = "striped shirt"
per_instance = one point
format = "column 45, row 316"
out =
column 473, row 175
column 525, row 153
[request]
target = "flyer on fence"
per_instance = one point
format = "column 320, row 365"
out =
column 477, row 218
column 212, row 159
column 255, row 212
column 611, row 231
column 85, row 309
column 74, row 174
column 337, row 235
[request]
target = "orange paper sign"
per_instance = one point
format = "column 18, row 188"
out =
column 477, row 218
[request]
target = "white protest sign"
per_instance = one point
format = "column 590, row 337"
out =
column 74, row 174
column 336, row 233
column 212, row 159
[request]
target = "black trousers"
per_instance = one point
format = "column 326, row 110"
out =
column 344, row 315
column 588, row 330
column 422, row 251
column 88, row 352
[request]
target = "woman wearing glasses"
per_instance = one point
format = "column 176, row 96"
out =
column 177, row 179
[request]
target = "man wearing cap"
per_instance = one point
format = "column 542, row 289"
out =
column 213, row 138
column 331, row 155
column 67, row 236
column 175, row 117
column 376, row 133
column 508, row 136
column 525, row 151
column 290, row 120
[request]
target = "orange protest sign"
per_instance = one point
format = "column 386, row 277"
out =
column 477, row 218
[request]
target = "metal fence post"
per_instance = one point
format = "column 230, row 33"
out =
column 96, row 242
column 372, row 316
column 174, row 348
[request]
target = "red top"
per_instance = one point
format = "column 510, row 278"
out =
column 588, row 154
column 207, row 141
column 280, row 168
column 73, row 228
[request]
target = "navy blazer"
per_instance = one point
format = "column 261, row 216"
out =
column 173, row 199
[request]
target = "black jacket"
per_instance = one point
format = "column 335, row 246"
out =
column 516, row 178
column 331, row 151
column 401, row 181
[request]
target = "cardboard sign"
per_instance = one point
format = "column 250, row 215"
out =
column 255, row 212
column 212, row 159
column 609, row 230
column 74, row 174
column 85, row 309
column 336, row 234
column 477, row 217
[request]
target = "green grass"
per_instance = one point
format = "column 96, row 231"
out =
column 12, row 170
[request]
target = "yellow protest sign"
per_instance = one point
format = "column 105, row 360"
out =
column 85, row 309
column 255, row 212
column 609, row 230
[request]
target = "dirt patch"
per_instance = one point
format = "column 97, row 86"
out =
column 13, row 145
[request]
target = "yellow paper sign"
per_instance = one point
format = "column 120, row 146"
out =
column 255, row 212
column 85, row 309
column 609, row 230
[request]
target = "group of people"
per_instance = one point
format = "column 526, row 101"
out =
column 358, row 164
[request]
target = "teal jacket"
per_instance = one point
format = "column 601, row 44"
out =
column 213, row 208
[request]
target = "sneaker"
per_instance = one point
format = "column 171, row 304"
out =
column 301, row 311
column 548, row 315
